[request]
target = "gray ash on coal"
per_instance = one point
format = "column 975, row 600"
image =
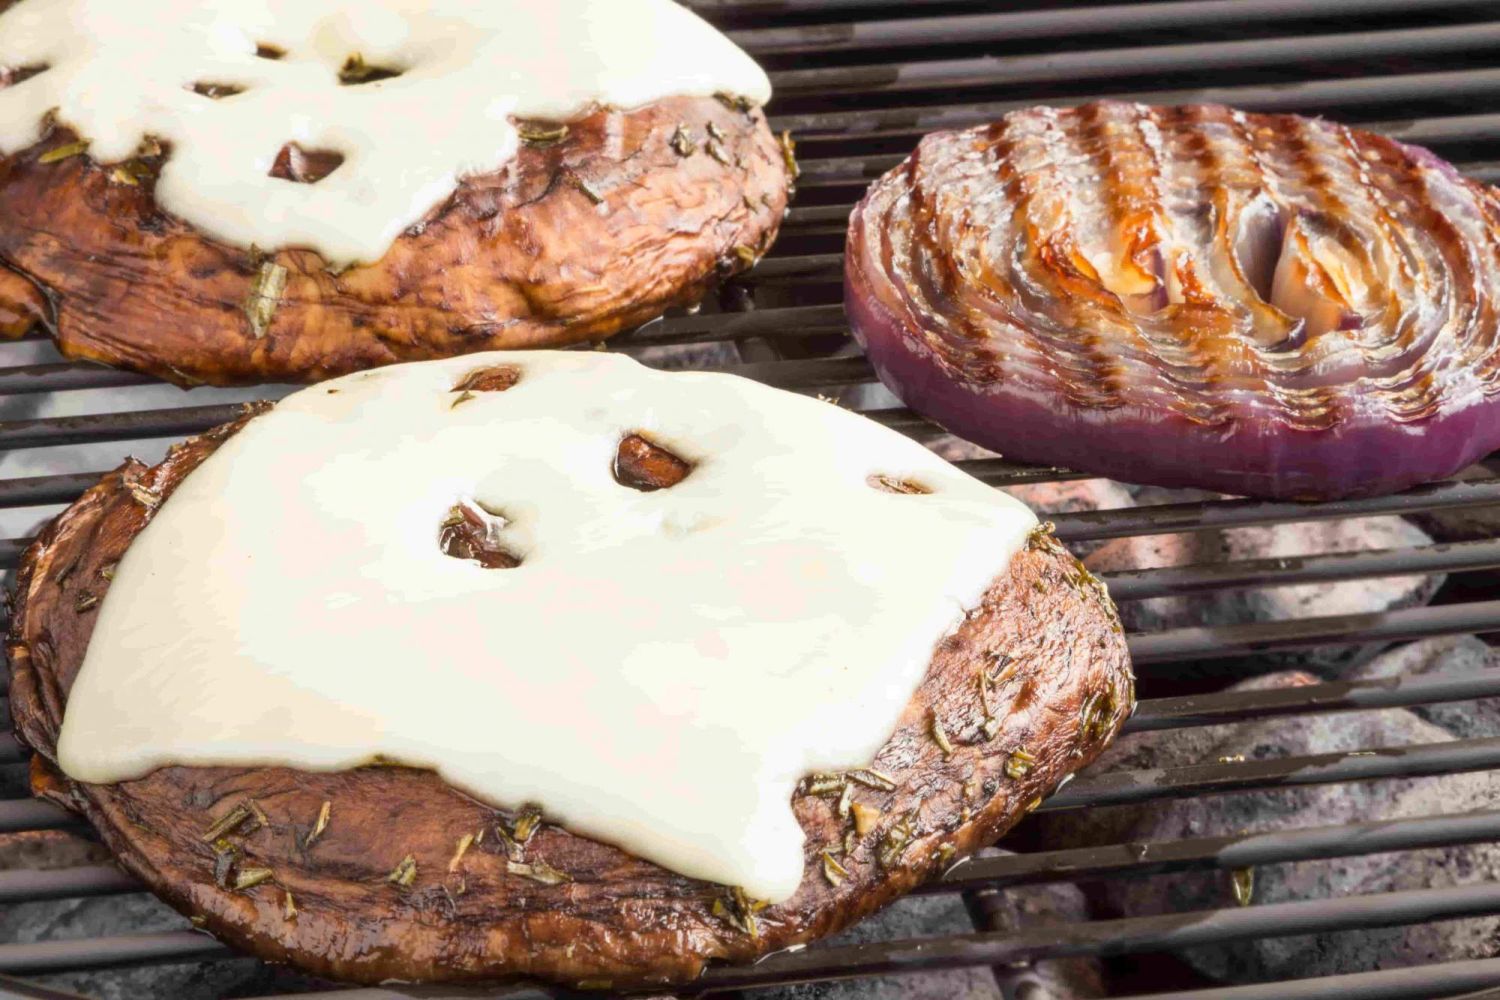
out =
column 1298, row 808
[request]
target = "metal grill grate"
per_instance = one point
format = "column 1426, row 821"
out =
column 857, row 82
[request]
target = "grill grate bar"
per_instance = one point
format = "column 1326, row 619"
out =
column 66, row 376
column 1106, row 937
column 729, row 8
column 11, row 751
column 1094, row 64
column 1239, row 706
column 23, row 815
column 1295, row 570
column 27, row 885
column 819, row 129
column 1423, row 982
column 127, row 426
column 999, row 869
column 1222, row 641
column 1390, row 984
column 1207, row 515
column 109, row 952
column 1031, row 25
column 1111, row 937
column 38, row 490
column 1150, row 784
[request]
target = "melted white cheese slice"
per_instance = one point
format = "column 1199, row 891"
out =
column 658, row 673
column 120, row 71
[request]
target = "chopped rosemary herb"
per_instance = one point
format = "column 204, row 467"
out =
column 144, row 495
column 851, row 841
column 538, row 871
column 865, row 817
column 714, row 150
column 945, row 853
column 940, row 736
column 739, row 911
column 846, row 801
column 458, row 855
column 1041, row 536
column 131, row 173
column 1242, row 881
column 249, row 878
column 84, row 602
column 824, row 784
column 714, row 132
column 228, row 823
column 463, row 397
column 682, row 141
column 265, row 297
column 288, row 906
column 834, row 872
column 527, row 821
column 542, row 133
column 508, row 844
column 405, row 873
column 320, row 824
column 72, row 149
column 197, row 920
column 1019, row 764
column 734, row 102
column 588, row 192
column 1095, row 715
column 108, row 570
column 984, row 694
column 789, row 156
column 745, row 254
column 260, row 814
column 871, row 778
column 893, row 845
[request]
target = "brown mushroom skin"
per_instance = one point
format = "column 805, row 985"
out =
column 1045, row 630
column 570, row 242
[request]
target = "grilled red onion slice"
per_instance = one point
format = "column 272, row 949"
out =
column 1192, row 296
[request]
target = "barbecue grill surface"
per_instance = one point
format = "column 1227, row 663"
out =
column 858, row 81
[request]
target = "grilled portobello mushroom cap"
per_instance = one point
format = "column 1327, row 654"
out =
column 596, row 226
column 386, row 872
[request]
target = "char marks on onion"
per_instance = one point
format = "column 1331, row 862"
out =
column 1194, row 296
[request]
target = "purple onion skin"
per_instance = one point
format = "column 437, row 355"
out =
column 1165, row 449
column 1364, row 452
